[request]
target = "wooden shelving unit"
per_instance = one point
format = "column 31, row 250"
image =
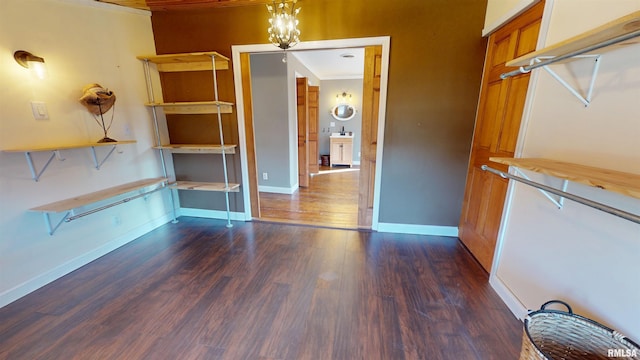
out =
column 206, row 186
column 68, row 206
column 198, row 149
column 621, row 182
column 205, row 61
column 67, row 147
column 187, row 62
column 88, row 199
column 201, row 107
column 626, row 25
column 592, row 44
column 55, row 152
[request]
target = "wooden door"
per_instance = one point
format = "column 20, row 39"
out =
column 370, row 110
column 302, row 95
column 254, row 195
column 497, row 126
column 314, row 156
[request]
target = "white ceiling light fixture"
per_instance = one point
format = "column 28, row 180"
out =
column 283, row 24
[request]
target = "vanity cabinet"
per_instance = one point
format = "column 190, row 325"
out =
column 341, row 150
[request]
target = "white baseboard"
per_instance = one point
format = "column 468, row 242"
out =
column 278, row 190
column 61, row 270
column 512, row 302
column 212, row 214
column 434, row 230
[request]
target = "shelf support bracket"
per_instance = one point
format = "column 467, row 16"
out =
column 586, row 100
column 558, row 203
column 95, row 157
column 47, row 221
column 35, row 175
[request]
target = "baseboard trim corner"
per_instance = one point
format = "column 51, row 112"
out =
column 512, row 302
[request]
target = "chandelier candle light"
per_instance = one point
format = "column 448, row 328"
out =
column 283, row 29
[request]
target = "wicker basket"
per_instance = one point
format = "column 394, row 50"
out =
column 555, row 335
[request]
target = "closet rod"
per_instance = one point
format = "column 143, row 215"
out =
column 596, row 205
column 528, row 68
column 89, row 212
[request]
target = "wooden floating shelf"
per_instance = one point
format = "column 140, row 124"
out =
column 617, row 181
column 82, row 200
column 198, row 148
column 66, row 147
column 205, row 186
column 188, row 61
column 625, row 25
column 199, row 107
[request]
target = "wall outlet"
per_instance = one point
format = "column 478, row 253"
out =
column 116, row 221
column 332, row 124
column 265, row 176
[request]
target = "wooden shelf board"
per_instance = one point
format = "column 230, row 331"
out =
column 624, row 25
column 617, row 181
column 187, row 62
column 205, row 186
column 65, row 147
column 196, row 107
column 86, row 199
column 198, row 148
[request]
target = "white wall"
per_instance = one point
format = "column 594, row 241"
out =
column 581, row 255
column 501, row 11
column 82, row 42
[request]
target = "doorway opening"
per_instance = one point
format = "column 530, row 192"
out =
column 373, row 127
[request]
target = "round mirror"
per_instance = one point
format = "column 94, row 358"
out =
column 343, row 112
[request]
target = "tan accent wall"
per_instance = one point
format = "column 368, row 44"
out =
column 436, row 58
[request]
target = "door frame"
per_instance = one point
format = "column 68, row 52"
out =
column 236, row 50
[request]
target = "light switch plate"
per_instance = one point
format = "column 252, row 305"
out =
column 39, row 109
column 333, row 124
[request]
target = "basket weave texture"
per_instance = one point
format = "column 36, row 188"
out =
column 555, row 335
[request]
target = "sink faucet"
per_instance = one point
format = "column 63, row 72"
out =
column 342, row 131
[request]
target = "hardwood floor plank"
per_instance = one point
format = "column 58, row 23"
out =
column 198, row 290
column 330, row 200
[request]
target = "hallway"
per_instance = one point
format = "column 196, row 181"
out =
column 330, row 200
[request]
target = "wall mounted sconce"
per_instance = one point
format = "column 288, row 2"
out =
column 31, row 62
column 343, row 98
column 283, row 25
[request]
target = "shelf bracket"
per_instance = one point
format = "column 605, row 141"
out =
column 35, row 175
column 95, row 157
column 47, row 221
column 586, row 100
column 558, row 203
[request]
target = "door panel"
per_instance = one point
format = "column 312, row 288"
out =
column 497, row 126
column 302, row 95
column 254, row 195
column 314, row 156
column 370, row 111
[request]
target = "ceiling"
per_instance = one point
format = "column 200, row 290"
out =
column 331, row 65
column 166, row 5
column 325, row 64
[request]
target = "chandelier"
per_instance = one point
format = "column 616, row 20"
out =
column 283, row 25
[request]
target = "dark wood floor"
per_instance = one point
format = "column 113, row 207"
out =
column 330, row 200
column 197, row 290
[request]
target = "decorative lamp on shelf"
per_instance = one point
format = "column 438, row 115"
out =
column 99, row 100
